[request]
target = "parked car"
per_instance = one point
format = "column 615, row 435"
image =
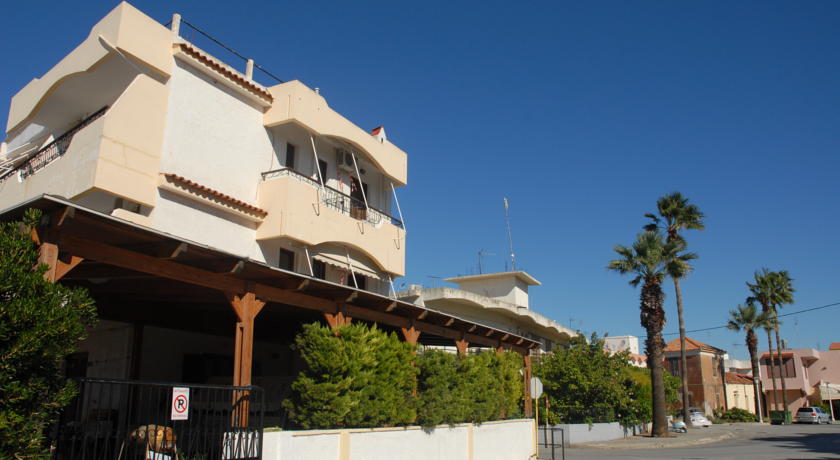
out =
column 699, row 419
column 810, row 414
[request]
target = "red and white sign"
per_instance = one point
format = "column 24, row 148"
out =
column 180, row 403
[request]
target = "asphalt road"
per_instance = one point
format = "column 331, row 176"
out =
column 757, row 442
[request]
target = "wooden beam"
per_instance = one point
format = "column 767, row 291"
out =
column 48, row 255
column 449, row 322
column 392, row 306
column 237, row 268
column 119, row 257
column 247, row 307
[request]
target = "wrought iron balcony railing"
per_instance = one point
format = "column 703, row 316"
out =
column 338, row 200
column 50, row 152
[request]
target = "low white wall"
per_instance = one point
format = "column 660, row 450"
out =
column 582, row 432
column 502, row 440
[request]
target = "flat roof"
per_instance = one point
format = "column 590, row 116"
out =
column 518, row 274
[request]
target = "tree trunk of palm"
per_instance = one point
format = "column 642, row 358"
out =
column 772, row 362
column 781, row 365
column 683, row 365
column 653, row 320
column 752, row 346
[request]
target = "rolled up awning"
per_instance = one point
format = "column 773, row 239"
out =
column 829, row 390
column 338, row 257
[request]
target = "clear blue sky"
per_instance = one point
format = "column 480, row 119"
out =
column 582, row 114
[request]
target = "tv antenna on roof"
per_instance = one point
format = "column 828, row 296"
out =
column 510, row 237
column 481, row 254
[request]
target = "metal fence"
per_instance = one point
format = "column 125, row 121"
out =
column 133, row 420
column 552, row 443
column 338, row 200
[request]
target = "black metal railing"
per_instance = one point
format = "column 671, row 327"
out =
column 133, row 420
column 51, row 151
column 552, row 442
column 337, row 199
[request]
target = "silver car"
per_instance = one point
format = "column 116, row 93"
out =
column 809, row 414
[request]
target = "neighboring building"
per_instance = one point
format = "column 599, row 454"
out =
column 739, row 366
column 626, row 343
column 208, row 215
column 706, row 384
column 496, row 299
column 805, row 370
column 740, row 392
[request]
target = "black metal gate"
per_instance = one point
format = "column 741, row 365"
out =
column 134, row 420
column 551, row 442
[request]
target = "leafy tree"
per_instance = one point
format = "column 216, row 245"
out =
column 40, row 324
column 676, row 214
column 642, row 394
column 355, row 376
column 747, row 319
column 583, row 381
column 773, row 290
column 650, row 259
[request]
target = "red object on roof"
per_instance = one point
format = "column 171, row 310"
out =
column 215, row 193
column 691, row 344
column 834, row 346
column 736, row 378
column 375, row 131
column 776, row 354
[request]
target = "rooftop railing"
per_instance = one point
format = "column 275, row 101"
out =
column 338, row 200
column 50, row 152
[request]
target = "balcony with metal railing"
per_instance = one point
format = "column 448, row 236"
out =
column 338, row 200
column 301, row 209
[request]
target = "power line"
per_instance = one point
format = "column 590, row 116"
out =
column 798, row 312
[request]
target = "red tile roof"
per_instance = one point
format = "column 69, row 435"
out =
column 691, row 344
column 218, row 66
column 376, row 130
column 776, row 353
column 834, row 346
column 229, row 200
column 736, row 378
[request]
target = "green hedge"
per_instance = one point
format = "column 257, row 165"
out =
column 360, row 376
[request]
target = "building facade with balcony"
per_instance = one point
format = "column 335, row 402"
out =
column 140, row 124
column 498, row 299
column 208, row 215
column 809, row 374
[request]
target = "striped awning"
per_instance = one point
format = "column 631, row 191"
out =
column 343, row 258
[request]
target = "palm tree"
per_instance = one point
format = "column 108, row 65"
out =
column 772, row 290
column 675, row 214
column 782, row 294
column 650, row 259
column 748, row 319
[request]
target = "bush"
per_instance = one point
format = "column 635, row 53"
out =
column 355, row 376
column 737, row 415
column 40, row 324
column 474, row 388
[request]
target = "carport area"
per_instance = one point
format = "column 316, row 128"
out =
column 177, row 311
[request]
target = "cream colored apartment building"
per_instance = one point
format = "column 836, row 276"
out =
column 140, row 124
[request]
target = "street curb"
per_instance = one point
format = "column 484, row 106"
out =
column 655, row 443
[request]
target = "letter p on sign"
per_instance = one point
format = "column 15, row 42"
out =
column 180, row 403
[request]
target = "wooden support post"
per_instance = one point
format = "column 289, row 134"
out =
column 337, row 320
column 411, row 335
column 462, row 347
column 527, row 375
column 246, row 307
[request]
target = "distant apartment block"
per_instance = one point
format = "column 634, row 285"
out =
column 809, row 375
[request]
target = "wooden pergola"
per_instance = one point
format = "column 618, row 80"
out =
column 85, row 247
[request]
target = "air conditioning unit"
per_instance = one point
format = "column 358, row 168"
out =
column 344, row 160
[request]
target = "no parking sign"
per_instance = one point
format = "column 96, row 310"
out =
column 180, row 403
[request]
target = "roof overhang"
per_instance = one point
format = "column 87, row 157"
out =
column 104, row 239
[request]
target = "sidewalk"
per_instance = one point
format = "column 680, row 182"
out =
column 695, row 436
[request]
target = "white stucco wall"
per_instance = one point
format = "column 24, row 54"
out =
column 215, row 138
column 581, row 432
column 501, row 440
column 109, row 349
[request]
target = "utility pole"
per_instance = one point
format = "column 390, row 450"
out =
column 510, row 237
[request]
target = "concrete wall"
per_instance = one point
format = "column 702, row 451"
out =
column 581, row 432
column 502, row 440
